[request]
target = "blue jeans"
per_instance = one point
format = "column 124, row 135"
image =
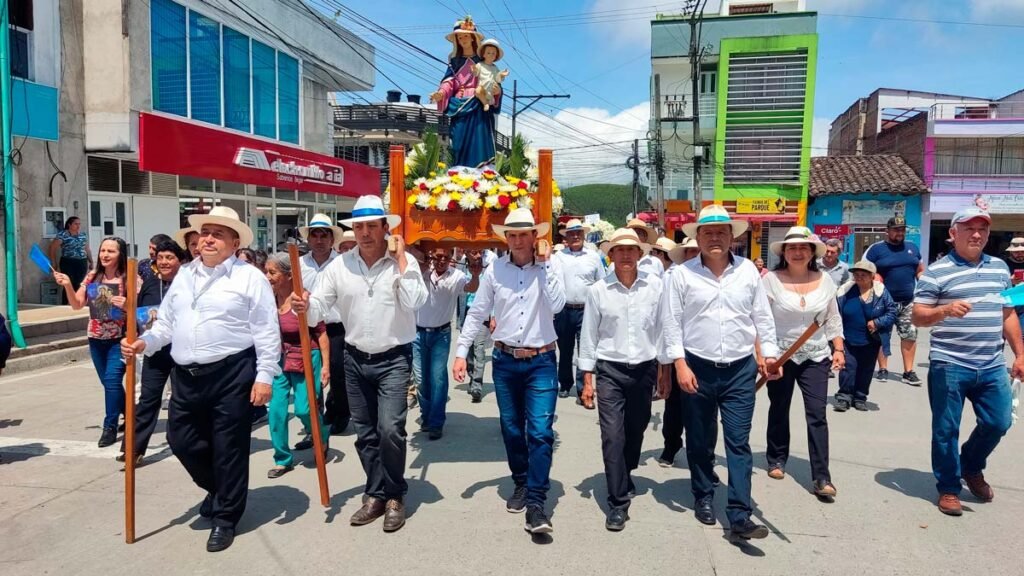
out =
column 527, row 390
column 948, row 386
column 106, row 357
column 433, row 367
column 731, row 390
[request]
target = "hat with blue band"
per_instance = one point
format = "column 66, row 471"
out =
column 370, row 208
column 714, row 214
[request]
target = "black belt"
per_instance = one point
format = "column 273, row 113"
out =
column 389, row 354
column 435, row 329
column 574, row 306
column 690, row 359
column 335, row 329
column 197, row 370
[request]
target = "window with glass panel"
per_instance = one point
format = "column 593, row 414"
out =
column 167, row 21
column 288, row 98
column 236, row 80
column 204, row 67
column 264, row 89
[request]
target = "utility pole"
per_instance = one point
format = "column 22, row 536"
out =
column 533, row 98
column 696, row 53
column 633, row 162
column 659, row 156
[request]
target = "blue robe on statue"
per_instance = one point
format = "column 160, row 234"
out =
column 472, row 129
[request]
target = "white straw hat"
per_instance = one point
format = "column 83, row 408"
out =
column 1016, row 245
column 638, row 224
column 674, row 251
column 223, row 216
column 625, row 237
column 714, row 214
column 520, row 219
column 573, row 225
column 181, row 235
column 371, row 208
column 799, row 235
column 323, row 222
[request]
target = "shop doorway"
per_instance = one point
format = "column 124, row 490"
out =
column 108, row 216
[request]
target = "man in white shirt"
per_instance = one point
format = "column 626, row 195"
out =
column 434, row 336
column 621, row 328
column 524, row 291
column 581, row 267
column 648, row 263
column 376, row 291
column 322, row 236
column 715, row 310
column 221, row 320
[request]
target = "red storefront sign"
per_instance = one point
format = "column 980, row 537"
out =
column 182, row 147
column 838, row 231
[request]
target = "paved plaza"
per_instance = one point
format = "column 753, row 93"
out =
column 61, row 501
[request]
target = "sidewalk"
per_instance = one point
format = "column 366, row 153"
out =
column 61, row 501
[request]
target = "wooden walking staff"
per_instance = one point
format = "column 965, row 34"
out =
column 307, row 368
column 129, row 405
column 811, row 329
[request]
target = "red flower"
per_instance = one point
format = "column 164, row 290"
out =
column 521, row 185
column 423, row 187
column 504, row 201
column 453, row 205
column 453, row 172
column 475, row 184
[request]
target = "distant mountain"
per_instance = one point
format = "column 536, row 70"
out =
column 612, row 201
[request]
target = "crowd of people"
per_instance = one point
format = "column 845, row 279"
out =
column 636, row 319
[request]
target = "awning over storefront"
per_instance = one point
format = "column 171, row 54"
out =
column 176, row 146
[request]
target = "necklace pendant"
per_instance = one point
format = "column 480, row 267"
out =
column 803, row 302
column 370, row 292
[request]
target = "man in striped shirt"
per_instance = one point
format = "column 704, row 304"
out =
column 955, row 296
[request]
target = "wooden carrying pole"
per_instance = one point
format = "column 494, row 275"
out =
column 544, row 187
column 396, row 184
column 129, row 404
column 307, row 368
column 811, row 329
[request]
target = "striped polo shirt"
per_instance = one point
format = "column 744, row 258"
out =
column 976, row 340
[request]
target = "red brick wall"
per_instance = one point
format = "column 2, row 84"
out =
column 906, row 139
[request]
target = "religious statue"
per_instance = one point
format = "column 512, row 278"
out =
column 471, row 117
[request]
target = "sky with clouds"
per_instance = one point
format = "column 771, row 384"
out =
column 598, row 51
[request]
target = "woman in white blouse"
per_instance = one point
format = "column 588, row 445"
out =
column 799, row 294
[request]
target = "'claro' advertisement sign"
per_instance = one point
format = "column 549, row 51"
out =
column 178, row 146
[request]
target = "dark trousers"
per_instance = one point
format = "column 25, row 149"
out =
column 568, row 324
column 527, row 390
column 209, row 425
column 336, row 411
column 156, row 369
column 624, row 408
column 377, row 390
column 729, row 389
column 855, row 378
column 674, row 423
column 812, row 377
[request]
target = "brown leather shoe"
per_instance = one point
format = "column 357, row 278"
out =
column 949, row 504
column 372, row 509
column 394, row 515
column 776, row 472
column 977, row 485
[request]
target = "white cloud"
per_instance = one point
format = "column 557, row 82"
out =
column 573, row 133
column 627, row 22
column 819, row 136
column 994, row 8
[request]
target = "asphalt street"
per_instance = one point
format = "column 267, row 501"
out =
column 61, row 500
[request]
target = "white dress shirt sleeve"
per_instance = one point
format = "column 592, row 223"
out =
column 672, row 300
column 323, row 293
column 659, row 319
column 589, row 333
column 478, row 313
column 266, row 332
column 412, row 291
column 833, row 319
column 764, row 322
column 554, row 288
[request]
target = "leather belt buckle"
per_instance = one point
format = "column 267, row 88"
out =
column 523, row 353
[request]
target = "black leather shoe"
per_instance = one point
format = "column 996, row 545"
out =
column 616, row 520
column 435, row 434
column 221, row 538
column 305, row 444
column 748, row 530
column 206, row 508
column 339, row 427
column 704, row 511
column 476, row 396
column 563, row 393
column 108, row 437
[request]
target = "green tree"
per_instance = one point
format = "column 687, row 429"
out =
column 612, row 201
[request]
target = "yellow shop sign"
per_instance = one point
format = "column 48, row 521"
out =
column 760, row 206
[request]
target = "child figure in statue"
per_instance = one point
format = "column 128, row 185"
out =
column 487, row 74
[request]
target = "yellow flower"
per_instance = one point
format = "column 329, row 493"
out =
column 433, row 202
column 432, row 174
column 441, row 165
column 512, row 179
column 437, row 190
column 411, row 200
column 488, row 175
column 512, row 206
column 407, row 170
column 479, row 202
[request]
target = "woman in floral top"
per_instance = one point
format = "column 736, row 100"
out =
column 69, row 250
column 103, row 291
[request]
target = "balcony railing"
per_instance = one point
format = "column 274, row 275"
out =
column 401, row 118
column 676, row 107
column 977, row 111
